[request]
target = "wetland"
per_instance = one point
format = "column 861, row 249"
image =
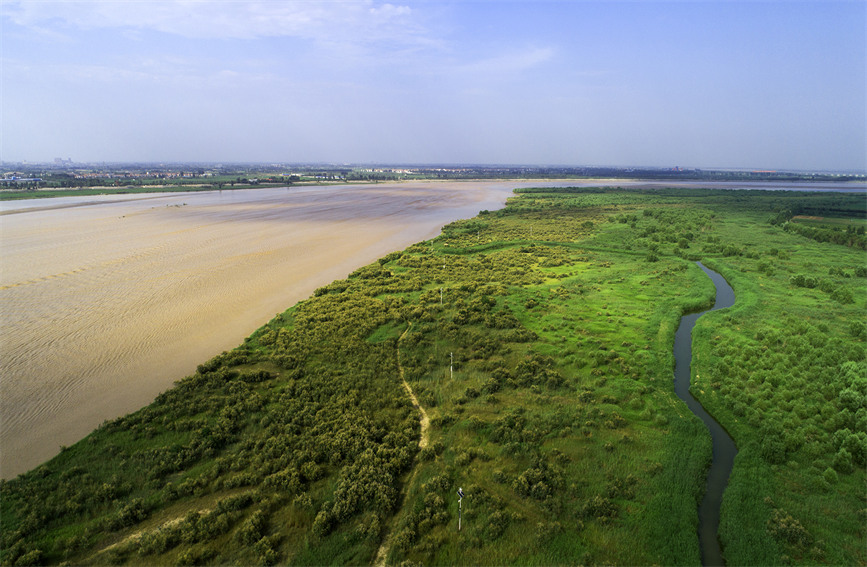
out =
column 538, row 339
column 107, row 300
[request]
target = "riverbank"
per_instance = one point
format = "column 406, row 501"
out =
column 107, row 301
column 11, row 195
column 107, row 304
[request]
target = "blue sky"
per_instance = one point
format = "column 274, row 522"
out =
column 775, row 84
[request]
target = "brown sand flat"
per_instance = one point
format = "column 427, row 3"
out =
column 106, row 303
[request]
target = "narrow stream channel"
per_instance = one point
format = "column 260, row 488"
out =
column 724, row 449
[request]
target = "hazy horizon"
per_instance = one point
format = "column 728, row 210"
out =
column 52, row 163
column 712, row 85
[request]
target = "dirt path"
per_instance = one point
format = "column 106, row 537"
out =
column 382, row 553
column 425, row 422
column 139, row 533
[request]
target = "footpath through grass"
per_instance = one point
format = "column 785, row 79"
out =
column 540, row 348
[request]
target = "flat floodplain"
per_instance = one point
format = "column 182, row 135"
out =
column 538, row 341
column 107, row 301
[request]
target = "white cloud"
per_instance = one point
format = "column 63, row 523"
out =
column 390, row 10
column 509, row 63
column 355, row 20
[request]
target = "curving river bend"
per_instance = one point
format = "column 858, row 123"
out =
column 724, row 449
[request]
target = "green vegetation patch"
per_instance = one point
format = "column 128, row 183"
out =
column 538, row 341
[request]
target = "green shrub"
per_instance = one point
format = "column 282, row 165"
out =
column 323, row 522
column 32, row 557
column 253, row 529
column 843, row 461
column 773, row 449
column 843, row 295
column 785, row 528
column 597, row 507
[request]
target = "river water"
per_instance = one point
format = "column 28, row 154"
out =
column 724, row 449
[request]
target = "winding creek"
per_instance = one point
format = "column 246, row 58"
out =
column 724, row 449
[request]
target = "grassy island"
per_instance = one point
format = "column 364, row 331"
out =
column 537, row 341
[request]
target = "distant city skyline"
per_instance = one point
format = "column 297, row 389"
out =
column 714, row 85
column 71, row 164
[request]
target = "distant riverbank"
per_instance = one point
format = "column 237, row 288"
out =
column 54, row 192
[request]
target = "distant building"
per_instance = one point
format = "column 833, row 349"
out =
column 14, row 179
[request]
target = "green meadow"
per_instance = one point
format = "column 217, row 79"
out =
column 538, row 340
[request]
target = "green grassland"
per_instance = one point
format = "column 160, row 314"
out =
column 557, row 416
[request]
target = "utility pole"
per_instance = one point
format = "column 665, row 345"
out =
column 460, row 506
column 441, row 296
column 452, row 366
